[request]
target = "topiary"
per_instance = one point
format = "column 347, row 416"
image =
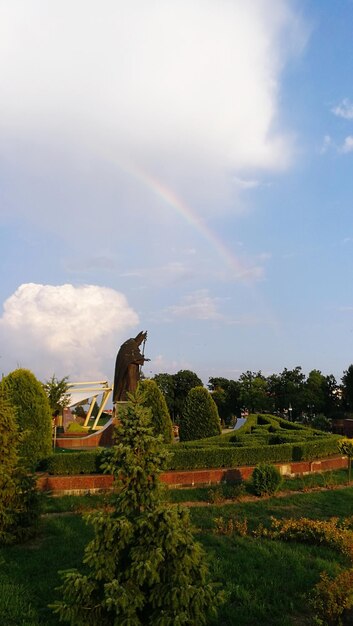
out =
column 265, row 479
column 154, row 400
column 33, row 415
column 143, row 565
column 19, row 501
column 200, row 417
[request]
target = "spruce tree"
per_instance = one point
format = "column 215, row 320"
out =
column 200, row 417
column 143, row 565
column 19, row 503
column 154, row 400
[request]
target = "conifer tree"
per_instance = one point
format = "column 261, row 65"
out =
column 33, row 415
column 200, row 417
column 143, row 566
column 19, row 504
column 154, row 400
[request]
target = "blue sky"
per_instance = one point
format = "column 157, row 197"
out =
column 180, row 166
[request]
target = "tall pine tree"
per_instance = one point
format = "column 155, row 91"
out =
column 143, row 565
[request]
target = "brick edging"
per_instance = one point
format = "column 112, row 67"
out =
column 92, row 483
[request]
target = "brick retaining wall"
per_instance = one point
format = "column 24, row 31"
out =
column 93, row 483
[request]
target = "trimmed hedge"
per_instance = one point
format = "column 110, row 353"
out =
column 282, row 442
column 187, row 457
column 217, row 456
column 85, row 462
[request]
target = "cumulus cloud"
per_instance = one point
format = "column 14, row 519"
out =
column 180, row 87
column 69, row 330
column 344, row 109
column 347, row 145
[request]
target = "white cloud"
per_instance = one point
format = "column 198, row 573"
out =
column 180, row 87
column 344, row 109
column 198, row 305
column 347, row 145
column 65, row 329
column 326, row 144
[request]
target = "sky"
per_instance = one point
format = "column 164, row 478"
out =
column 182, row 167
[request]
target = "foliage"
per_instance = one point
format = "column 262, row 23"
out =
column 26, row 394
column 57, row 392
column 254, row 392
column 175, row 388
column 19, row 501
column 200, row 416
column 345, row 446
column 75, row 427
column 166, row 384
column 321, row 422
column 333, row 532
column 347, row 388
column 71, row 463
column 286, row 442
column 143, row 565
column 332, row 599
column 226, row 394
column 154, row 400
column 265, row 479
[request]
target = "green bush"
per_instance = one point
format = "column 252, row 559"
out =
column 27, row 396
column 155, row 400
column 200, row 417
column 71, row 463
column 19, row 501
column 265, row 479
column 75, row 427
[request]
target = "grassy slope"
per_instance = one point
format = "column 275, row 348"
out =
column 266, row 582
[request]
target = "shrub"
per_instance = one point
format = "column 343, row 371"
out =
column 19, row 501
column 332, row 533
column 321, row 422
column 200, row 417
column 143, row 565
column 26, row 394
column 345, row 446
column 155, row 400
column 265, row 479
column 75, row 427
column 71, row 463
column 332, row 599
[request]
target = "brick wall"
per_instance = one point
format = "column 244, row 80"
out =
column 93, row 483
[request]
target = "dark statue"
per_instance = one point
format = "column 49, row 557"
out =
column 127, row 366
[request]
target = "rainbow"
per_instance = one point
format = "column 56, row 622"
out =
column 171, row 199
column 239, row 270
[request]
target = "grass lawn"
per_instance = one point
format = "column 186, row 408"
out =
column 266, row 582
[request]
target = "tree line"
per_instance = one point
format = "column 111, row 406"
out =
column 290, row 394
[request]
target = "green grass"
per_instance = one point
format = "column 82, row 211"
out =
column 31, row 570
column 265, row 582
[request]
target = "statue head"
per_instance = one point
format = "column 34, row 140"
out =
column 142, row 336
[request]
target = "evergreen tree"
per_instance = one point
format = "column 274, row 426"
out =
column 33, row 414
column 154, row 400
column 200, row 416
column 19, row 503
column 143, row 566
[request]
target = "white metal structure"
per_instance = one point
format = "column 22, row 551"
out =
column 89, row 392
